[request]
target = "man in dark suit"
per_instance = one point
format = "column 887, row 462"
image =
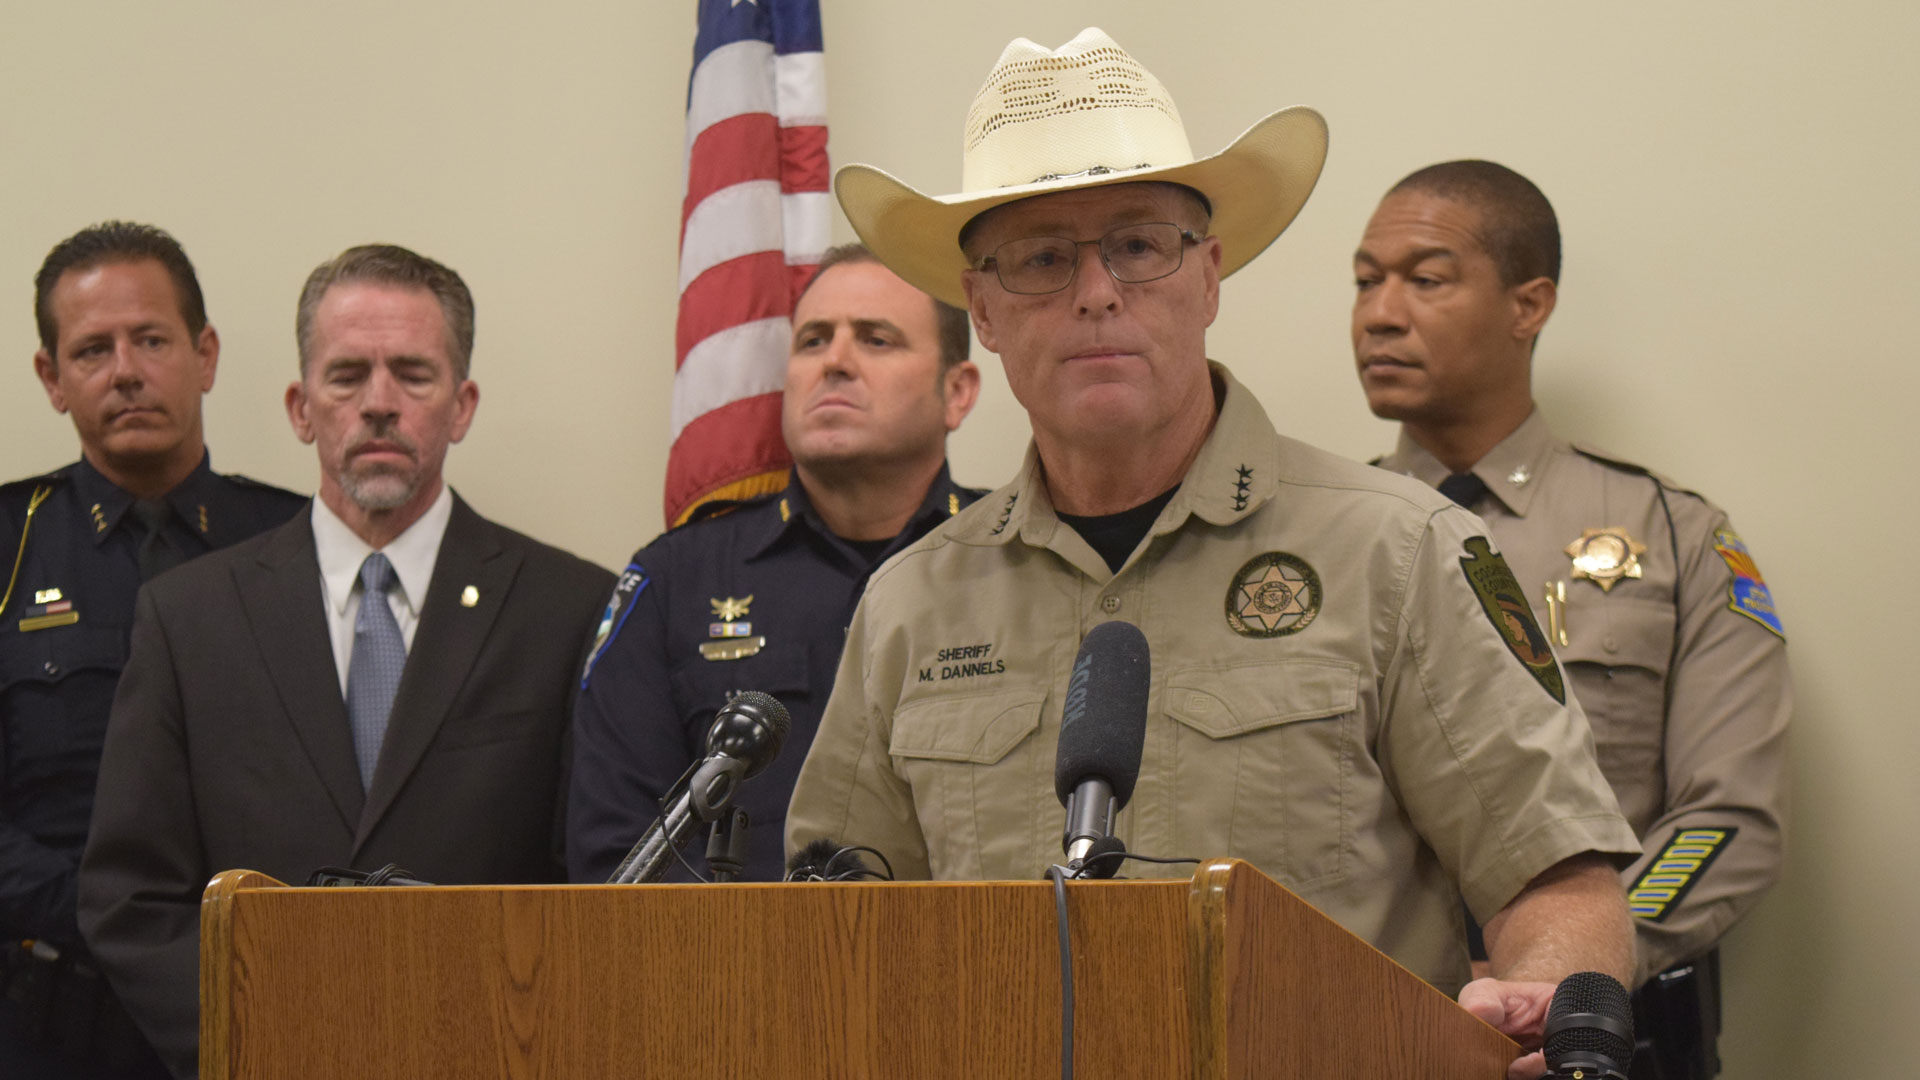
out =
column 383, row 679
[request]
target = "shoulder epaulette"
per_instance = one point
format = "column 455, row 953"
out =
column 26, row 487
column 1612, row 461
column 260, row 485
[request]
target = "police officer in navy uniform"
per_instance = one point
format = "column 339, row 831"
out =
column 127, row 352
column 758, row 597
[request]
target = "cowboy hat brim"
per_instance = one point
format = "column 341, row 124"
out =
column 1257, row 186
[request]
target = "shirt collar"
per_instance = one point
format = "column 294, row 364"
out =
column 1511, row 470
column 792, row 510
column 1236, row 471
column 107, row 503
column 413, row 553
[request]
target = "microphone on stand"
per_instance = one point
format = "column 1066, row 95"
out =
column 1589, row 1030
column 744, row 739
column 1102, row 731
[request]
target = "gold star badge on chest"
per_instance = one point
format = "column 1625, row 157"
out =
column 1604, row 556
column 730, row 609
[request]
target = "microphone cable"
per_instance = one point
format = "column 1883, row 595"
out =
column 1059, row 875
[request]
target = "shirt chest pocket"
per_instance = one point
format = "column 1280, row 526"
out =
column 976, row 775
column 779, row 669
column 49, row 656
column 1617, row 654
column 1263, row 762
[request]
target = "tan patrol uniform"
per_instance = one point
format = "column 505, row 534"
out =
column 1330, row 698
column 1679, row 662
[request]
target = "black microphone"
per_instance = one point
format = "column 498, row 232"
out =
column 744, row 739
column 1102, row 730
column 1589, row 1031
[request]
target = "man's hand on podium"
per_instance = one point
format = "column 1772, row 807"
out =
column 1519, row 1010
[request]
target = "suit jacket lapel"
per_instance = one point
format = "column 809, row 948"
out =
column 280, row 592
column 445, row 646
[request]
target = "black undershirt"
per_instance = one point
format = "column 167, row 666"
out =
column 1114, row 536
column 870, row 550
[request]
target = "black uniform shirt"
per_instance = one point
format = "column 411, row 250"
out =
column 64, row 633
column 756, row 599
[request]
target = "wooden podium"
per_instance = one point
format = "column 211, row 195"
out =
column 1225, row 975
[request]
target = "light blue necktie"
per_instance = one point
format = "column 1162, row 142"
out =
column 373, row 673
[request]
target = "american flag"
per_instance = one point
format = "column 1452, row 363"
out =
column 755, row 222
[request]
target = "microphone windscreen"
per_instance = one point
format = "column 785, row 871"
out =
column 1104, row 724
column 1591, row 1015
column 750, row 727
column 810, row 862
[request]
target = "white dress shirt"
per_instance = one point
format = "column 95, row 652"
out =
column 341, row 552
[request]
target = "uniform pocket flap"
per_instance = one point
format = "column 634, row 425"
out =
column 978, row 728
column 52, row 654
column 1221, row 702
column 1620, row 633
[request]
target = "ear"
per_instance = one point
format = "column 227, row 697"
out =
column 297, row 414
column 43, row 366
column 466, row 401
column 208, row 348
column 1210, row 252
column 962, row 386
column 1532, row 302
column 977, row 308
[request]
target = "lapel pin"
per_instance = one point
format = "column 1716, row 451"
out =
column 469, row 596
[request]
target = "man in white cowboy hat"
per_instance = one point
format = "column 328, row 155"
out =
column 1348, row 689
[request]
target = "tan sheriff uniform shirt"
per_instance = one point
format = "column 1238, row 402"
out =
column 1679, row 663
column 1330, row 699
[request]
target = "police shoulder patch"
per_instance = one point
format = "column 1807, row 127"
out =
column 1747, row 593
column 632, row 580
column 1679, row 866
column 1505, row 605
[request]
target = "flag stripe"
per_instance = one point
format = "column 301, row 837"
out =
column 751, row 287
column 737, row 362
column 729, row 444
column 751, row 217
column 751, row 147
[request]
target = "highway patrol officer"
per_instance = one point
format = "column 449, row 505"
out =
column 1346, row 688
column 126, row 350
column 1653, row 602
column 759, row 597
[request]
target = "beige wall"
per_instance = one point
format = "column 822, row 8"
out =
column 1734, row 182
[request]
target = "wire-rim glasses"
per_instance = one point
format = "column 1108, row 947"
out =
column 1132, row 253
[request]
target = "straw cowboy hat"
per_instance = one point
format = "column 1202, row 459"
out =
column 1083, row 115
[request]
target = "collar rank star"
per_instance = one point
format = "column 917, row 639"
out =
column 1604, row 556
column 733, row 639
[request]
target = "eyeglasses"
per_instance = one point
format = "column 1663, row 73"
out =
column 1132, row 254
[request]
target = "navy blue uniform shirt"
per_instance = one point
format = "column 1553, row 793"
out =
column 64, row 634
column 755, row 599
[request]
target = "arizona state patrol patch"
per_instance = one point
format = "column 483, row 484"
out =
column 1273, row 595
column 1506, row 606
column 1680, row 865
column 632, row 580
column 1747, row 594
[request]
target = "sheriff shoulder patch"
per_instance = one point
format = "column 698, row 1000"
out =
column 632, row 580
column 1747, row 594
column 1667, row 879
column 1506, row 608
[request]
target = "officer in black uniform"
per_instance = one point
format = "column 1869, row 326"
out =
column 757, row 595
column 126, row 350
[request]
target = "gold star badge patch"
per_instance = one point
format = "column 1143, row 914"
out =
column 1604, row 556
column 1273, row 595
